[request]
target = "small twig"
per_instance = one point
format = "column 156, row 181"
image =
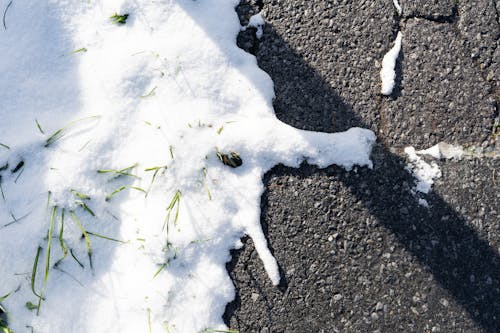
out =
column 5, row 13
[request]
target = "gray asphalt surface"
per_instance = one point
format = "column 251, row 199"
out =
column 357, row 252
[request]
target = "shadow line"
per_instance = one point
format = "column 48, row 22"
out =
column 438, row 237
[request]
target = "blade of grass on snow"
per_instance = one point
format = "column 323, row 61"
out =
column 85, row 207
column 60, row 133
column 175, row 202
column 76, row 259
column 118, row 190
column 64, row 249
column 33, row 278
column 39, row 126
column 49, row 244
column 119, row 173
column 85, row 236
column 79, row 195
column 106, row 237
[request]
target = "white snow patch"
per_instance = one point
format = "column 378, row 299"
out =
column 165, row 91
column 388, row 72
column 423, row 203
column 424, row 172
column 398, row 6
column 257, row 21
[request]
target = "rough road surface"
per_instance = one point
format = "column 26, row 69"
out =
column 358, row 253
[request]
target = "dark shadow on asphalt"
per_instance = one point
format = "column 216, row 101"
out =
column 438, row 237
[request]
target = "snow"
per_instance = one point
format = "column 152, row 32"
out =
column 154, row 100
column 398, row 6
column 423, row 203
column 388, row 72
column 424, row 172
column 257, row 21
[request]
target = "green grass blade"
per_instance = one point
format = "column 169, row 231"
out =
column 49, row 194
column 106, row 237
column 85, row 207
column 150, row 93
column 33, row 271
column 49, row 244
column 83, row 49
column 171, row 149
column 139, row 189
column 64, row 249
column 39, row 126
column 119, row 173
column 175, row 202
column 85, row 235
column 4, row 297
column 76, row 259
column 118, row 190
column 79, row 195
column 4, row 145
column 162, row 266
column 59, row 134
column 149, row 320
column 119, row 19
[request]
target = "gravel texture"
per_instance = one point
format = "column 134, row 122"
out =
column 324, row 61
column 443, row 96
column 357, row 252
column 438, row 10
column 482, row 36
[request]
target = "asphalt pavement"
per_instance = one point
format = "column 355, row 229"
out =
column 357, row 252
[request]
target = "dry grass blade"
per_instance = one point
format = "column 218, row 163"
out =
column 149, row 320
column 204, row 171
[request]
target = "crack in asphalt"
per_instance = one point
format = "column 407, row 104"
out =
column 441, row 19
